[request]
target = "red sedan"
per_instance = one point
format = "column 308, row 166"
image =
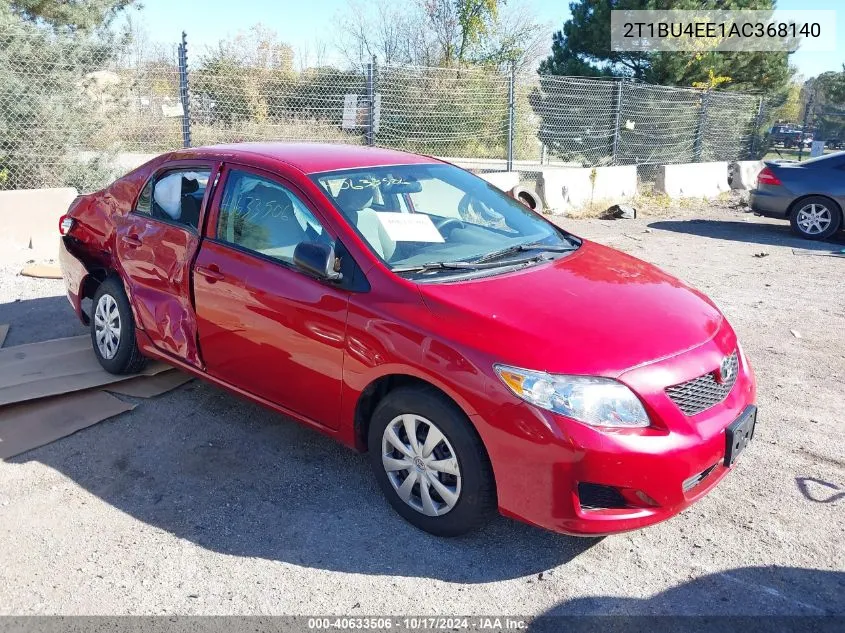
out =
column 484, row 357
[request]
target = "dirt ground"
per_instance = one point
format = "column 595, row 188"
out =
column 200, row 503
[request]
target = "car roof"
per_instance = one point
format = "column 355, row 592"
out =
column 309, row 158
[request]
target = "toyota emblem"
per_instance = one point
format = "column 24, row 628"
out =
column 726, row 370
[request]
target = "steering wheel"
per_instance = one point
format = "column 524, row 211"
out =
column 447, row 225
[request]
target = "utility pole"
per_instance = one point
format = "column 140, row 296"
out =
column 807, row 109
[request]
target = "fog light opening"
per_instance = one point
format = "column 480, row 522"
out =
column 601, row 497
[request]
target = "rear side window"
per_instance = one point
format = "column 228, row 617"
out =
column 175, row 196
column 263, row 216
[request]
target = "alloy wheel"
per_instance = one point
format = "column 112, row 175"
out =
column 814, row 219
column 421, row 464
column 107, row 326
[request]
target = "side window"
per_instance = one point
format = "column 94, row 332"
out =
column 263, row 216
column 177, row 196
column 145, row 199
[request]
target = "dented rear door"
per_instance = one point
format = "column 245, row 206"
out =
column 156, row 254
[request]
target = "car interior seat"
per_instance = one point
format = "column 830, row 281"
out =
column 354, row 201
column 191, row 202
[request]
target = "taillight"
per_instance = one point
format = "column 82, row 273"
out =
column 66, row 224
column 767, row 177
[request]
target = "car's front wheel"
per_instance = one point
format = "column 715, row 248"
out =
column 430, row 463
column 816, row 218
column 113, row 330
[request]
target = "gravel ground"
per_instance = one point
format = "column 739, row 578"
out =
column 200, row 503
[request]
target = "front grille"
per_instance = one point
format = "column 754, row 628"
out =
column 699, row 394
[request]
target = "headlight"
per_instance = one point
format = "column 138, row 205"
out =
column 595, row 401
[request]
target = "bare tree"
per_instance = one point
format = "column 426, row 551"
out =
column 515, row 37
column 441, row 33
column 385, row 30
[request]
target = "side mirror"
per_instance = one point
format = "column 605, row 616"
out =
column 318, row 260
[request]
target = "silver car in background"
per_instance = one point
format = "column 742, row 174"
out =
column 811, row 194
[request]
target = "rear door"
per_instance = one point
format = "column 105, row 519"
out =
column 156, row 245
column 265, row 326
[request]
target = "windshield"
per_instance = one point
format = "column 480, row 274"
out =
column 417, row 215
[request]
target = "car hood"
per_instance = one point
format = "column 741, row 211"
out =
column 596, row 311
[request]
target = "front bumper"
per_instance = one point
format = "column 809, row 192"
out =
column 539, row 459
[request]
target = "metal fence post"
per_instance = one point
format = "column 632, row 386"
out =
column 183, row 91
column 700, row 128
column 511, row 115
column 619, row 89
column 758, row 121
column 371, row 103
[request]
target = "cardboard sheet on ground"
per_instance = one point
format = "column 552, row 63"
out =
column 33, row 424
column 4, row 330
column 51, row 368
column 150, row 386
column 43, row 271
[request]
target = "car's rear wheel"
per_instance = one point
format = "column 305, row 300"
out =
column 816, row 218
column 430, row 463
column 113, row 330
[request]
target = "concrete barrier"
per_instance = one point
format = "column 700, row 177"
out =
column 504, row 180
column 569, row 189
column 744, row 173
column 692, row 180
column 30, row 217
column 615, row 183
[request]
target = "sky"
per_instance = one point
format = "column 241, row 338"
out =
column 302, row 22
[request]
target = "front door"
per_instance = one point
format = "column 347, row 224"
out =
column 264, row 326
column 156, row 244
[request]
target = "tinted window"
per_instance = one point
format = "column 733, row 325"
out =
column 177, row 196
column 265, row 217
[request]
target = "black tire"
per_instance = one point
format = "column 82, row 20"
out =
column 833, row 209
column 127, row 358
column 476, row 503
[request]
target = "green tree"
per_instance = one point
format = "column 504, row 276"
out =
column 460, row 25
column 48, row 52
column 582, row 48
column 835, row 87
column 790, row 110
column 73, row 16
column 826, row 114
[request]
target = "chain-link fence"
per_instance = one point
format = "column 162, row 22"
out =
column 76, row 112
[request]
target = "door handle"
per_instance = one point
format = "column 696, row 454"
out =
column 131, row 240
column 212, row 273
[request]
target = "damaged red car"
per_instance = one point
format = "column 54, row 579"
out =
column 485, row 358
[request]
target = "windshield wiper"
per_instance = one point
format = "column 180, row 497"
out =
column 422, row 268
column 519, row 248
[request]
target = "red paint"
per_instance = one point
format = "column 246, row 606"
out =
column 309, row 349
